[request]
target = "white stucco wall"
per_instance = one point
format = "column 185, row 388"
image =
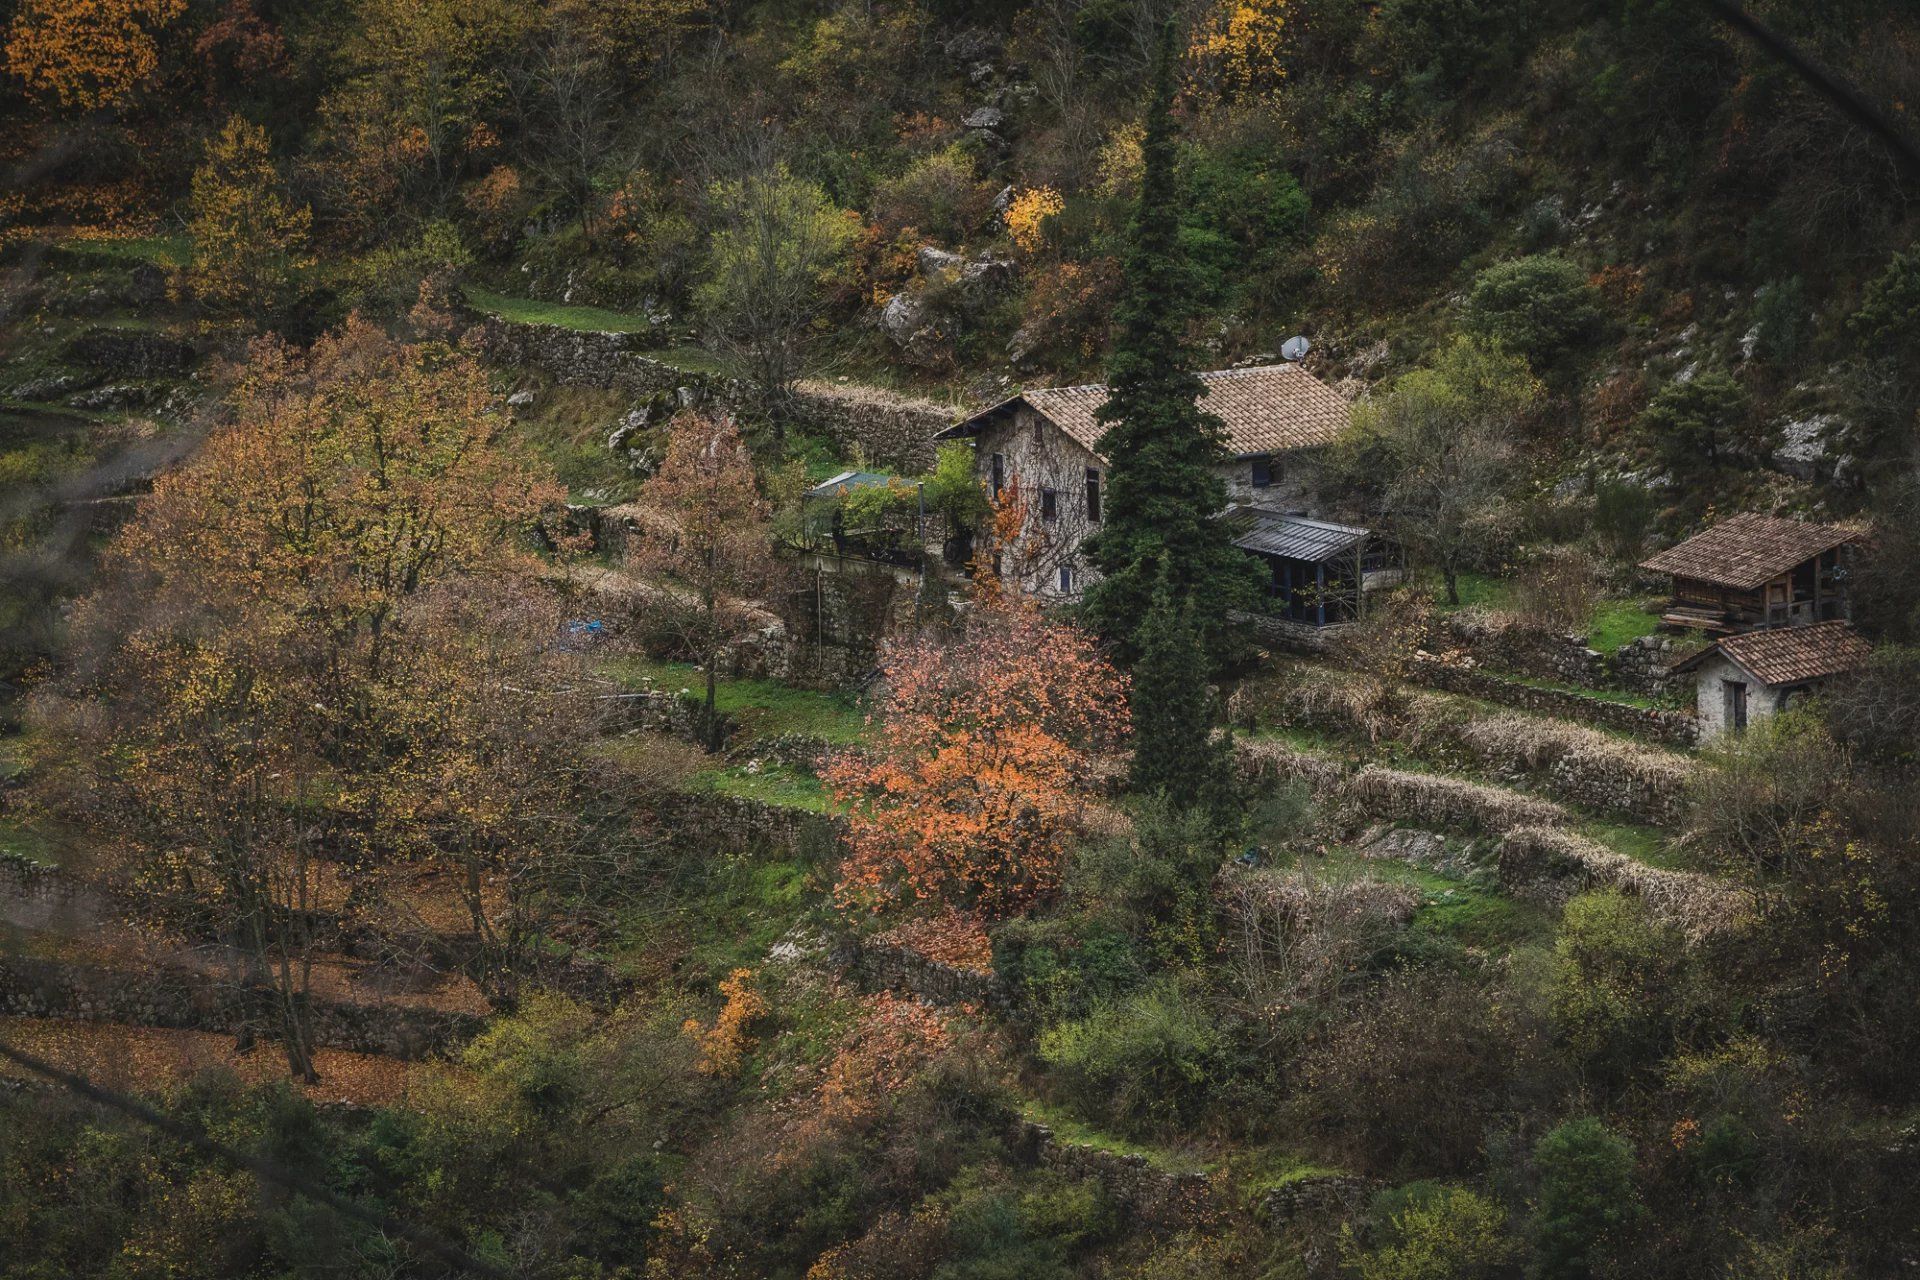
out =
column 1710, row 696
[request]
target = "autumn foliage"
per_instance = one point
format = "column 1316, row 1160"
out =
column 84, row 54
column 980, row 763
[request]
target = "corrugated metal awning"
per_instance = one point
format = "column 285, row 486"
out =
column 1295, row 537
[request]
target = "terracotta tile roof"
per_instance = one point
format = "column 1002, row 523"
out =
column 1790, row 655
column 1747, row 550
column 1266, row 409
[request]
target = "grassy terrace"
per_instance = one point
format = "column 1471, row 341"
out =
column 1614, row 623
column 762, row 708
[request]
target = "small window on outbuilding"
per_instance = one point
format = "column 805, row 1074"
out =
column 999, row 473
column 1093, row 495
column 1262, row 472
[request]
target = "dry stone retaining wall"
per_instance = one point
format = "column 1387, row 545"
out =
column 893, row 430
column 890, row 968
column 1164, row 1200
column 40, row 988
column 1674, row 727
column 1551, row 865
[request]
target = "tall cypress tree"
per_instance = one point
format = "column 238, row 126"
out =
column 1162, row 489
column 1173, row 751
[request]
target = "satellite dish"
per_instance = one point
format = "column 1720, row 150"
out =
column 1295, row 348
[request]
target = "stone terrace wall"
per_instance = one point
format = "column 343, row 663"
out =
column 1676, row 728
column 39, row 988
column 889, row 968
column 1551, row 865
column 713, row 820
column 1163, row 1200
column 893, row 430
column 1504, row 642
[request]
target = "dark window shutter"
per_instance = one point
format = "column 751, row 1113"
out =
column 1093, row 495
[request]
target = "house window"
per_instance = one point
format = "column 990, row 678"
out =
column 999, row 465
column 1736, row 712
column 1262, row 472
column 1093, row 495
column 1049, row 505
column 1066, row 578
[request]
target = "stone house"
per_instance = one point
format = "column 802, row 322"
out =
column 1744, row 678
column 1752, row 571
column 1279, row 421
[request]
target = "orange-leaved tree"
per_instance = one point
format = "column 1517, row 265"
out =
column 87, row 54
column 983, row 753
column 717, row 541
column 322, row 657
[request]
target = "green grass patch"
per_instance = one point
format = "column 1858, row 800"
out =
column 1650, row 845
column 1476, row 589
column 1070, row 1129
column 20, row 840
column 1620, row 696
column 788, row 788
column 161, row 251
column 1617, row 623
column 762, row 708
column 560, row 315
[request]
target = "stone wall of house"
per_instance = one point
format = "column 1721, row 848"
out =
column 1299, row 481
column 894, row 431
column 1038, row 456
column 1660, row 724
column 1161, row 1199
column 153, row 997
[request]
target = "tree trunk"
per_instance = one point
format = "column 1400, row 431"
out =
column 1453, row 585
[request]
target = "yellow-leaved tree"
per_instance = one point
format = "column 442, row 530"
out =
column 247, row 237
column 318, row 682
column 86, row 54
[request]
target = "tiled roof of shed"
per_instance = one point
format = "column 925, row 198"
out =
column 1790, row 655
column 1748, row 549
column 1295, row 537
column 1266, row 409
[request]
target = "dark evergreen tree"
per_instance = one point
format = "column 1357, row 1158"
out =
column 1163, row 491
column 1175, row 755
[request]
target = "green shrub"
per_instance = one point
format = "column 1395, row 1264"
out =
column 1143, row 1062
column 1433, row 1232
column 1623, row 515
column 1587, row 1199
column 938, row 195
column 1061, row 968
column 1444, row 43
column 1780, row 316
column 1539, row 306
column 953, row 491
column 1612, row 990
column 1701, row 420
column 1889, row 315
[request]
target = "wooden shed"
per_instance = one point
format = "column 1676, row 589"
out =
column 1318, row 572
column 1751, row 571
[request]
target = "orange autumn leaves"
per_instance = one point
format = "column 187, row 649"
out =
column 85, row 54
column 977, row 774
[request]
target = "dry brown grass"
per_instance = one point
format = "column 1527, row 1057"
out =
column 1553, row 864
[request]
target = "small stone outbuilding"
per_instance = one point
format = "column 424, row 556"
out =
column 1742, row 679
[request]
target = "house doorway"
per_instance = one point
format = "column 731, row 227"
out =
column 1736, row 705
